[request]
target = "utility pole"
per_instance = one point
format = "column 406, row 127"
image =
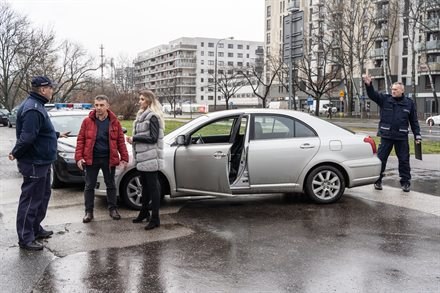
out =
column 102, row 68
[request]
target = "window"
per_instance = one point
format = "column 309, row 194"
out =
column 210, row 71
column 202, row 44
column 268, row 38
column 240, row 47
column 221, row 54
column 230, row 46
column 210, row 62
column 247, row 47
column 221, row 45
column 202, row 70
column 210, row 80
column 221, row 63
column 202, row 89
column 202, row 62
column 210, row 98
column 202, row 53
column 279, row 127
column 230, row 54
column 239, row 63
column 268, row 11
column 268, row 25
column 202, row 98
column 230, row 63
column 240, row 55
column 210, row 54
column 220, row 71
column 247, row 55
column 202, row 80
column 211, row 45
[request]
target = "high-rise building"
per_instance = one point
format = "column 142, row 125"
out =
column 405, row 46
column 184, row 69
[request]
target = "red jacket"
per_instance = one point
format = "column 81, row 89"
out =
column 87, row 136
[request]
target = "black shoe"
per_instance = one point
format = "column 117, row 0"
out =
column 406, row 187
column 114, row 214
column 142, row 216
column 151, row 225
column 34, row 246
column 88, row 217
column 378, row 185
column 43, row 234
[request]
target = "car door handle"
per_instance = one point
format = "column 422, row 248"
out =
column 307, row 146
column 219, row 155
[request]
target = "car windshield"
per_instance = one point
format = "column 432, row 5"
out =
column 68, row 123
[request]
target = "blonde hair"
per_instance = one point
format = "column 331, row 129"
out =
column 155, row 105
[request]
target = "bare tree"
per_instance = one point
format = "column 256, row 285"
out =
column 229, row 81
column 73, row 71
column 317, row 73
column 21, row 48
column 260, row 83
column 414, row 20
column 353, row 35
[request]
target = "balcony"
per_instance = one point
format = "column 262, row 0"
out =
column 429, row 46
column 377, row 53
column 432, row 24
column 382, row 14
column 434, row 67
column 377, row 71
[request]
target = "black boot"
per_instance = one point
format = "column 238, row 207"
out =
column 143, row 215
column 152, row 224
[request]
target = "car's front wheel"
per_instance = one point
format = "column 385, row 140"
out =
column 325, row 184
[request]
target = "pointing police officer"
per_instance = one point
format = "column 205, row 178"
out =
column 397, row 113
column 35, row 150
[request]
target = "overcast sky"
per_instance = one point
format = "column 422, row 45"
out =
column 127, row 27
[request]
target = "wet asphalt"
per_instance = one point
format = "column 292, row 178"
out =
column 370, row 241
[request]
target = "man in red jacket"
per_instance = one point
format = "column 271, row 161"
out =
column 100, row 142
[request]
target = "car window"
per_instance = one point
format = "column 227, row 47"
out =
column 218, row 131
column 276, row 127
column 68, row 123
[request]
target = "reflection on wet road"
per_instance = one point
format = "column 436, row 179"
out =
column 268, row 243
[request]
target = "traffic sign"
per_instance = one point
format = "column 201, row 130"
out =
column 341, row 93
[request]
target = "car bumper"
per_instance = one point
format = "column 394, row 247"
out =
column 68, row 171
column 362, row 172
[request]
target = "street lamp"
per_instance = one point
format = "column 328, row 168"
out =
column 215, row 71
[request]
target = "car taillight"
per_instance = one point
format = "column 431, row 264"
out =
column 371, row 141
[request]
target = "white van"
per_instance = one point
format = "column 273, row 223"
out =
column 323, row 107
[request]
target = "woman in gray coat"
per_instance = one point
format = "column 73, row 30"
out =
column 147, row 142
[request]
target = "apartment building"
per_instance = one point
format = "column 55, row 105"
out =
column 391, row 55
column 184, row 69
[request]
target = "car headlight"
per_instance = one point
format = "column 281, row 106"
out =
column 67, row 156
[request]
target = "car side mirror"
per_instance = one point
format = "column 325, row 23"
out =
column 181, row 140
column 124, row 130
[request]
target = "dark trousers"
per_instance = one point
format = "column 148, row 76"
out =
column 34, row 199
column 151, row 192
column 402, row 151
column 91, row 172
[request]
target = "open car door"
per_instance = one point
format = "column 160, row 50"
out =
column 202, row 163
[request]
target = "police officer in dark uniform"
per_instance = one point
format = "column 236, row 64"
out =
column 397, row 112
column 35, row 150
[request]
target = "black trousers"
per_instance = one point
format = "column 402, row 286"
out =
column 402, row 151
column 151, row 192
column 91, row 177
column 34, row 199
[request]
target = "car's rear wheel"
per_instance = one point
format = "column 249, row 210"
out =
column 325, row 184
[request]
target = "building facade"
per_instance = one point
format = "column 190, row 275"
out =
column 405, row 46
column 185, row 70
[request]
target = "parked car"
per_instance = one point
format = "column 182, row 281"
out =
column 64, row 118
column 4, row 116
column 433, row 120
column 12, row 117
column 248, row 151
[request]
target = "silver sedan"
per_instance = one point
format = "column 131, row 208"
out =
column 248, row 151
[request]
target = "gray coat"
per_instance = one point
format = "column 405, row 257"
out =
column 148, row 157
